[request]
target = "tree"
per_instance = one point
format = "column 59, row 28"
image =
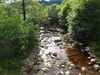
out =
column 24, row 14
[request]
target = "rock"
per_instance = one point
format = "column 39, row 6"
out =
column 87, row 49
column 42, row 31
column 54, row 54
column 82, row 50
column 96, row 66
column 45, row 69
column 47, row 64
column 35, row 68
column 98, row 62
column 83, row 68
column 90, row 63
column 42, row 45
column 41, row 28
column 69, row 63
column 40, row 59
column 89, row 57
column 57, row 39
column 93, row 60
column 99, row 71
column 31, row 63
column 62, row 66
column 46, row 47
column 59, row 30
column 49, row 53
column 27, row 60
column 58, row 43
column 81, row 43
column 89, row 53
column 72, row 65
column 38, row 62
column 80, row 74
column 61, row 72
column 53, row 57
column 67, row 73
column 44, row 40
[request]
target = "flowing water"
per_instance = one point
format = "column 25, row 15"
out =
column 59, row 57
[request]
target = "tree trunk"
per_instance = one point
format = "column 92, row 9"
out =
column 24, row 14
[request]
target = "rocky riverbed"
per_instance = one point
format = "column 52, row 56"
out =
column 54, row 60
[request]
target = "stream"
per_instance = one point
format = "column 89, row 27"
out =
column 58, row 56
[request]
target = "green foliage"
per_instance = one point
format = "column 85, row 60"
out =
column 37, row 13
column 95, row 46
column 53, row 14
column 17, row 38
column 63, row 13
column 84, row 22
column 84, row 19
